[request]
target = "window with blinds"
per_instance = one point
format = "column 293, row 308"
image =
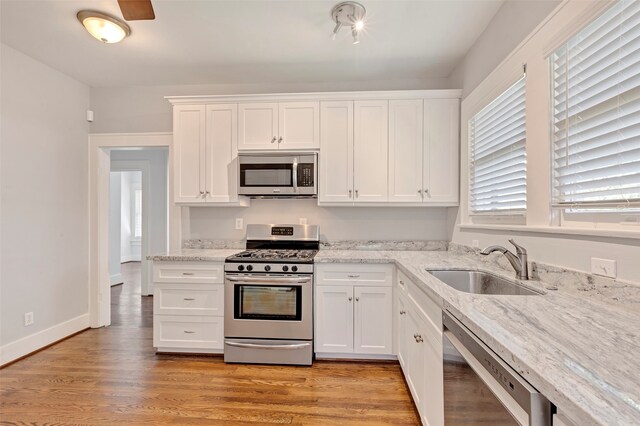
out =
column 498, row 175
column 596, row 113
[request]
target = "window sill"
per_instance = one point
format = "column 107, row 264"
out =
column 608, row 233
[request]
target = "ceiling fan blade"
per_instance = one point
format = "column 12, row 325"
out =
column 136, row 10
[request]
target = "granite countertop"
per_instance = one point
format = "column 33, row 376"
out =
column 580, row 353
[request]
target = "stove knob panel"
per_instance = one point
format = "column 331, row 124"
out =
column 240, row 268
column 294, row 268
column 249, row 268
column 285, row 268
column 267, row 268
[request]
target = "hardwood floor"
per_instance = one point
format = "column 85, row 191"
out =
column 112, row 375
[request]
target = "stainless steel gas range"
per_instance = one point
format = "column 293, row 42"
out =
column 269, row 296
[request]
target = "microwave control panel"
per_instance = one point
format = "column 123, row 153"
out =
column 305, row 174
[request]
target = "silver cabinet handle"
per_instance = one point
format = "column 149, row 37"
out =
column 420, row 191
column 200, row 194
column 189, row 332
column 426, row 192
column 280, row 139
column 188, row 273
column 206, row 193
column 357, row 299
column 350, row 299
column 419, row 338
column 258, row 346
column 353, row 276
column 401, row 282
column 273, row 140
column 274, row 280
column 188, row 298
column 357, row 193
column 403, row 312
column 350, row 191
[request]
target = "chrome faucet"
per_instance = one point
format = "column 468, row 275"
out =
column 518, row 262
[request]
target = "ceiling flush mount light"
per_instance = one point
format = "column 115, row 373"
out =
column 348, row 13
column 105, row 28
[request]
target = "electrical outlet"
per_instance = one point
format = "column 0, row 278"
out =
column 475, row 243
column 603, row 267
column 239, row 223
column 28, row 319
column 302, row 221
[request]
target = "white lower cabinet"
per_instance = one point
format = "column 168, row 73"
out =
column 188, row 307
column 353, row 309
column 419, row 349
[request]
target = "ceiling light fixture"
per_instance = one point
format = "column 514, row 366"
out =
column 348, row 13
column 105, row 28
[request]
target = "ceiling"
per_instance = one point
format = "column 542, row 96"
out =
column 241, row 41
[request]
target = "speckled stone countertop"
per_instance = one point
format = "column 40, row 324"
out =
column 580, row 352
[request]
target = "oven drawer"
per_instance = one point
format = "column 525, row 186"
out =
column 189, row 332
column 188, row 299
column 354, row 274
column 188, row 272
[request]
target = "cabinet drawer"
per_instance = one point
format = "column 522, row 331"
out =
column 188, row 332
column 188, row 272
column 354, row 274
column 430, row 309
column 188, row 299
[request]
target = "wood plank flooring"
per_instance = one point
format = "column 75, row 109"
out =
column 112, row 375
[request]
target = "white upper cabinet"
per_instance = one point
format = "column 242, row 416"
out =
column 205, row 139
column 336, row 152
column 188, row 153
column 221, row 152
column 441, row 148
column 405, row 150
column 258, row 126
column 284, row 125
column 370, row 151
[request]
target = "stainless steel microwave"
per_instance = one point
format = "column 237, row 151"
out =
column 278, row 175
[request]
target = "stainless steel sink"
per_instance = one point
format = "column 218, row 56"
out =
column 477, row 282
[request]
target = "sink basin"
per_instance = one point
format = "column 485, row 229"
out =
column 477, row 282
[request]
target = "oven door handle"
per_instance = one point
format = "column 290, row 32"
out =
column 257, row 346
column 252, row 280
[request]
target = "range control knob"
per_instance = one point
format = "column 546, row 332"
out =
column 285, row 268
column 240, row 268
column 267, row 268
column 294, row 268
column 249, row 268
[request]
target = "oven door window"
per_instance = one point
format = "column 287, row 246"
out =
column 262, row 302
column 268, row 175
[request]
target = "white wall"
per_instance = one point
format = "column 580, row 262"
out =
column 510, row 25
column 115, row 225
column 572, row 251
column 336, row 223
column 44, row 226
column 130, row 250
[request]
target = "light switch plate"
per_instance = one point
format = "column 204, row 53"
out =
column 239, row 223
column 604, row 267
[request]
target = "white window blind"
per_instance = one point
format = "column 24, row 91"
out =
column 498, row 176
column 596, row 113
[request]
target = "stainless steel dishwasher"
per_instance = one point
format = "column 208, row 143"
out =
column 481, row 389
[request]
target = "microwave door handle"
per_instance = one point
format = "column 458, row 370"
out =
column 295, row 175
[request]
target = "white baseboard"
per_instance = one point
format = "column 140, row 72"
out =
column 357, row 357
column 26, row 345
column 115, row 279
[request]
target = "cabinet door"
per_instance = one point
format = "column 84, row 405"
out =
column 334, row 319
column 258, row 126
column 415, row 355
column 401, row 341
column 373, row 320
column 221, row 150
column 405, row 150
column 370, row 155
column 188, row 153
column 433, row 402
column 441, row 147
column 336, row 152
column 299, row 125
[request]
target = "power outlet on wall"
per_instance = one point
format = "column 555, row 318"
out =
column 302, row 221
column 239, row 223
column 475, row 244
column 28, row 318
column 603, row 267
